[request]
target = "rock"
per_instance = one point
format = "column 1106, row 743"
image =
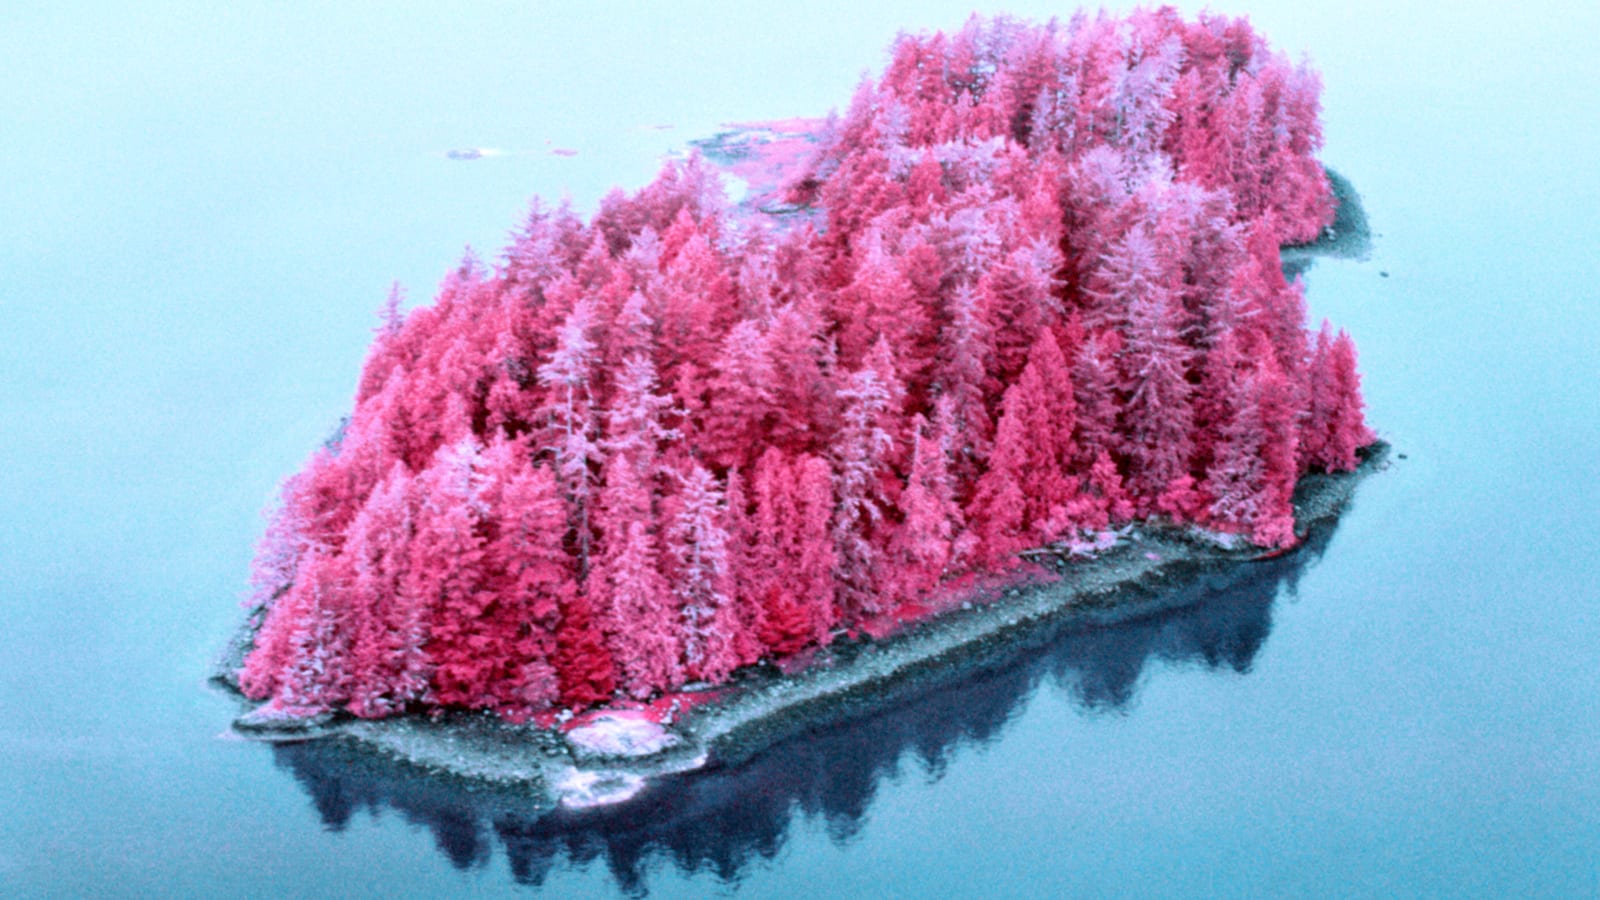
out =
column 269, row 721
column 579, row 789
column 612, row 734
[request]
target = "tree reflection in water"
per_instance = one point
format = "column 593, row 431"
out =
column 720, row 820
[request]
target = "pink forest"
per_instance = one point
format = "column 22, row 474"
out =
column 1030, row 292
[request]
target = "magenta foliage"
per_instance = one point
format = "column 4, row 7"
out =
column 1037, row 294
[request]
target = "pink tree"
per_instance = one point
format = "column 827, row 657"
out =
column 1157, row 421
column 742, row 407
column 1236, row 482
column 387, row 352
column 1335, row 426
column 1094, row 380
column 963, row 377
column 446, row 572
column 924, row 545
column 697, row 545
column 743, row 575
column 1140, row 104
column 282, row 545
column 276, row 639
column 644, row 637
column 534, row 579
column 314, row 676
column 635, row 607
column 696, row 305
column 585, row 671
column 803, row 394
column 1021, row 297
column 1049, row 419
column 570, row 431
column 386, row 664
column 793, row 557
column 860, row 458
column 999, row 510
column 1253, row 476
column 880, row 303
column 1134, row 270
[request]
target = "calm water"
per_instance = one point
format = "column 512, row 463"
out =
column 199, row 212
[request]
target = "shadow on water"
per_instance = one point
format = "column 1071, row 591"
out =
column 722, row 820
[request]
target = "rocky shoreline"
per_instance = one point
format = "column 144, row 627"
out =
column 612, row 756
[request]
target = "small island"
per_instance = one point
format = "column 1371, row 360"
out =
column 1009, row 340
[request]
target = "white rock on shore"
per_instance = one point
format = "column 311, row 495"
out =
column 617, row 735
column 585, row 789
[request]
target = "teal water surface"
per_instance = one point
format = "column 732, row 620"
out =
column 200, row 211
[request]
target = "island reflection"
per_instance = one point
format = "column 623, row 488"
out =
column 721, row 820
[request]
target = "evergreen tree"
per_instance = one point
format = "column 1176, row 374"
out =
column 1157, row 420
column 697, row 544
column 742, row 571
column 999, row 510
column 570, row 432
column 924, row 545
column 446, row 572
column 743, row 404
column 1335, row 427
column 860, row 460
column 385, row 654
column 585, row 671
column 534, row 579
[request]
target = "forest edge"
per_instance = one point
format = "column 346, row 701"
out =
column 762, row 705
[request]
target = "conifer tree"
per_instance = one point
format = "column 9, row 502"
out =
column 632, row 601
column 534, row 579
column 924, row 544
column 999, row 508
column 803, row 394
column 1335, row 426
column 785, row 622
column 1277, row 398
column 570, row 431
column 794, row 555
column 742, row 572
column 585, row 671
column 743, row 404
column 964, row 378
column 314, row 677
column 1157, row 419
column 1049, row 418
column 1094, row 396
column 446, row 574
column 860, row 460
column 1237, row 480
column 813, row 546
column 1021, row 298
column 880, row 303
column 645, row 639
column 385, row 653
column 697, row 544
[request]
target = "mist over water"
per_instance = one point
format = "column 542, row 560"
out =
column 200, row 211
